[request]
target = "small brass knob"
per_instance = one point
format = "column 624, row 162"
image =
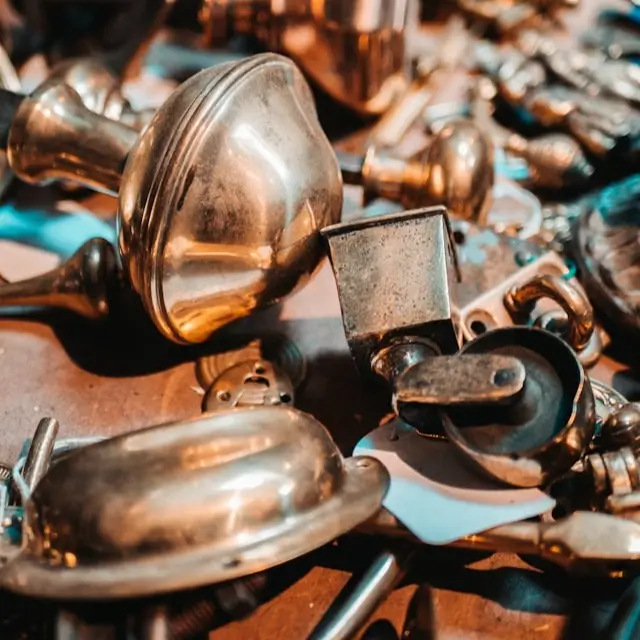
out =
column 455, row 171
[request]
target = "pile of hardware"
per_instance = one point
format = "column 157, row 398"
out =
column 492, row 259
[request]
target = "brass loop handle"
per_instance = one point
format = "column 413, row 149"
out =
column 556, row 321
column 521, row 299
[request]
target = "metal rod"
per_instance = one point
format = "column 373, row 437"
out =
column 40, row 451
column 361, row 596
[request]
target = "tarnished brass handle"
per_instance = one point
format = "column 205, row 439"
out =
column 522, row 298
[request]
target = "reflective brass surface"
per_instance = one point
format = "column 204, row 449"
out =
column 235, row 197
column 509, row 16
column 548, row 296
column 249, row 383
column 489, row 261
column 396, row 277
column 433, row 70
column 189, row 503
column 359, row 599
column 557, row 321
column 554, row 160
column 40, row 451
column 605, row 244
column 461, row 380
column 621, row 428
column 220, row 200
column 461, row 170
column 455, row 170
column 100, row 90
column 356, row 51
column 400, row 355
column 275, row 348
column 587, row 69
column 602, row 124
column 80, row 285
column 55, row 137
column 607, row 400
column 521, row 299
column 586, row 542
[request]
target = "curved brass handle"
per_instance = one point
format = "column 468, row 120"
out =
column 556, row 321
column 521, row 299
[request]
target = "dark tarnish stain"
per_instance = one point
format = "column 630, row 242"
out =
column 191, row 174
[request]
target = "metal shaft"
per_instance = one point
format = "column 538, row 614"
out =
column 54, row 136
column 588, row 541
column 39, row 454
column 362, row 596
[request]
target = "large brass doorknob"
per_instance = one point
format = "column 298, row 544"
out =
column 221, row 197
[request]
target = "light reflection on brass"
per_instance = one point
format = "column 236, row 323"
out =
column 100, row 90
column 455, row 170
column 219, row 208
column 521, row 298
column 587, row 542
column 210, row 499
column 355, row 51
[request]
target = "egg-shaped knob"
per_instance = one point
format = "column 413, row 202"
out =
column 224, row 194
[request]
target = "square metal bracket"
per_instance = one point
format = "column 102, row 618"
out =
column 396, row 277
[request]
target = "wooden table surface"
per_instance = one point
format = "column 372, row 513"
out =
column 108, row 379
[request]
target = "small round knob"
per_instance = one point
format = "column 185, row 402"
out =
column 455, row 171
column 459, row 171
column 622, row 428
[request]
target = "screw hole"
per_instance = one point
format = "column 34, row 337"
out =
column 503, row 377
column 285, row 397
column 459, row 237
column 224, row 396
column 259, row 381
column 232, row 562
column 478, row 327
